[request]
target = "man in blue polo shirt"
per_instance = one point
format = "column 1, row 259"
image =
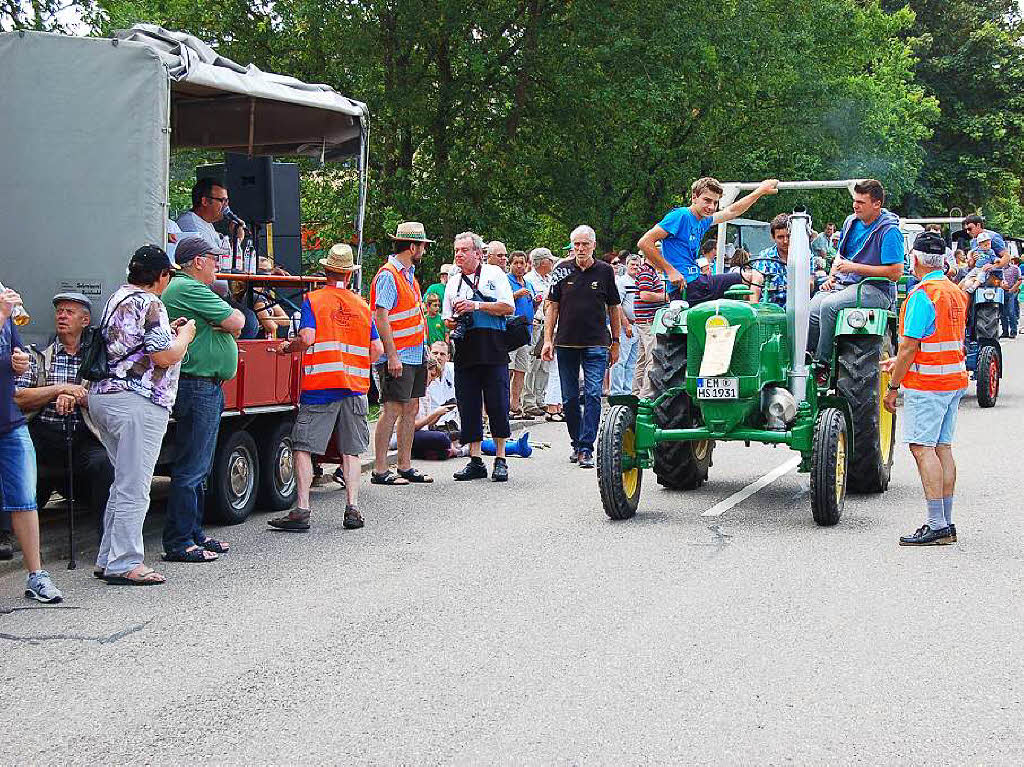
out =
column 680, row 234
column 870, row 245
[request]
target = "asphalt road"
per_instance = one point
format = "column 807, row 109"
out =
column 478, row 623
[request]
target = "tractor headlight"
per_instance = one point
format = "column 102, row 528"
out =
column 989, row 295
column 856, row 319
column 716, row 321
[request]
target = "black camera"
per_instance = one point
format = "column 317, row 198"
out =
column 464, row 322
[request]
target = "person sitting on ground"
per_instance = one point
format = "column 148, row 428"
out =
column 441, row 389
column 55, row 402
column 429, row 442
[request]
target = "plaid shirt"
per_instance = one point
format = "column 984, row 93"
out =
column 768, row 263
column 63, row 370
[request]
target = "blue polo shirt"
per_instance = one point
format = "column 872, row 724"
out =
column 685, row 231
column 919, row 320
column 524, row 304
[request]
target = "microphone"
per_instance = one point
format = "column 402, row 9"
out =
column 230, row 216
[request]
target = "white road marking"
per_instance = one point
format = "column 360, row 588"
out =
column 741, row 495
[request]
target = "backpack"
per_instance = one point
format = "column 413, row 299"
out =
column 95, row 365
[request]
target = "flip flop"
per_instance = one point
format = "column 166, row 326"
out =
column 415, row 476
column 387, row 478
column 140, row 576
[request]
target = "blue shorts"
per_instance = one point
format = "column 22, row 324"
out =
column 929, row 417
column 17, row 470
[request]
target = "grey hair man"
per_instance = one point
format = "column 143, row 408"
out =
column 538, row 278
column 477, row 300
column 930, row 366
column 497, row 254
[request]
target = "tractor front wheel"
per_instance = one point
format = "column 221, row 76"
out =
column 828, row 467
column 861, row 383
column 988, row 376
column 678, row 465
column 618, row 474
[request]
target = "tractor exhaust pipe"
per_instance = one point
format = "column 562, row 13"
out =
column 798, row 301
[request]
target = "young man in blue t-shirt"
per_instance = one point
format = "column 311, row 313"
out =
column 681, row 231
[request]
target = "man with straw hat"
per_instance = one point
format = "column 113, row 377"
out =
column 401, row 372
column 338, row 340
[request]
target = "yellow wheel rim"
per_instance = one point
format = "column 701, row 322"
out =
column 886, row 420
column 630, row 477
column 840, row 467
column 700, row 449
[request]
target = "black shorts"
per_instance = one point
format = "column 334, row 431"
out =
column 411, row 384
column 708, row 287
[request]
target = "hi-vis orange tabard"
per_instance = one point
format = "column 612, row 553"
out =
column 939, row 363
column 340, row 356
column 408, row 327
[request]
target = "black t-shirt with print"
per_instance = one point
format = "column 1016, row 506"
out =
column 583, row 297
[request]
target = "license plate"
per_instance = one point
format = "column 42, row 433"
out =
column 718, row 388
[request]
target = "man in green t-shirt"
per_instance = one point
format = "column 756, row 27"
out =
column 438, row 287
column 212, row 359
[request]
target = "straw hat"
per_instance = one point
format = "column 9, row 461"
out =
column 411, row 231
column 339, row 259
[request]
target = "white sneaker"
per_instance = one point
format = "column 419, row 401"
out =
column 39, row 586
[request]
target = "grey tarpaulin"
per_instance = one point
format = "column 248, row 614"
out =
column 86, row 127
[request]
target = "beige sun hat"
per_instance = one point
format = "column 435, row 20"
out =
column 411, row 231
column 339, row 259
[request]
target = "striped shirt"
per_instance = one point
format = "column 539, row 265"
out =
column 63, row 369
column 650, row 280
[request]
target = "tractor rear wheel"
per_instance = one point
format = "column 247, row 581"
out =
column 678, row 465
column 861, row 383
column 828, row 467
column 986, row 321
column 987, row 376
column 618, row 475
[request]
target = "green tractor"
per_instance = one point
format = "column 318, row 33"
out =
column 732, row 370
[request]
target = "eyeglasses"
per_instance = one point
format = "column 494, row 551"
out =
column 221, row 200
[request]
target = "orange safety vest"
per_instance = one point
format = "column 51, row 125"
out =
column 340, row 356
column 939, row 363
column 408, row 327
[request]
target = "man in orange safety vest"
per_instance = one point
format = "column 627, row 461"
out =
column 930, row 367
column 338, row 341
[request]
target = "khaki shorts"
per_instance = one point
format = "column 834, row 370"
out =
column 412, row 384
column 520, row 359
column 315, row 424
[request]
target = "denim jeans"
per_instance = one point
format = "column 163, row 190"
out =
column 1011, row 313
column 197, row 414
column 17, row 471
column 624, row 370
column 582, row 413
column 825, row 308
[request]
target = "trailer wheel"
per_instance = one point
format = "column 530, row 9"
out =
column 678, row 465
column 987, row 321
column 618, row 477
column 278, row 487
column 987, row 376
column 828, row 467
column 235, row 478
column 861, row 383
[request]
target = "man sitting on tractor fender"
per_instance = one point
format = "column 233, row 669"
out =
column 681, row 231
column 870, row 245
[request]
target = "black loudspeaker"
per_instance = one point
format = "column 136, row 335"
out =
column 250, row 185
column 287, row 227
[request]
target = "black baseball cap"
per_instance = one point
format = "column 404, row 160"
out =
column 930, row 242
column 152, row 257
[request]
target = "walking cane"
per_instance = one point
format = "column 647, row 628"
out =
column 68, row 438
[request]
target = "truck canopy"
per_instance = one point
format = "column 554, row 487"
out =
column 86, row 130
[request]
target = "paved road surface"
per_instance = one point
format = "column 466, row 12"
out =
column 475, row 623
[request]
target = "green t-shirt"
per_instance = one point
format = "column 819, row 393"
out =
column 435, row 328
column 212, row 353
column 437, row 288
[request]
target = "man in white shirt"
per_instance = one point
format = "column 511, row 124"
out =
column 538, row 278
column 209, row 200
column 477, row 300
column 441, row 390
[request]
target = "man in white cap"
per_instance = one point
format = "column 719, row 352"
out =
column 55, row 402
column 338, row 340
column 401, row 372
